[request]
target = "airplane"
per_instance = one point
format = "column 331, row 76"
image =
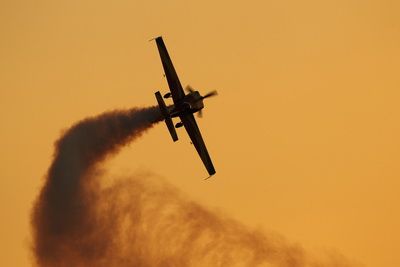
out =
column 185, row 105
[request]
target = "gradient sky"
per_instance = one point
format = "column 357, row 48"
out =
column 304, row 134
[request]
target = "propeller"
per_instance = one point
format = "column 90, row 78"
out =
column 189, row 88
column 212, row 93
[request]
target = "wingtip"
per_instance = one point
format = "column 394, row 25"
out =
column 152, row 39
column 209, row 176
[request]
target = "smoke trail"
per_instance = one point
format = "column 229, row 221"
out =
column 138, row 221
column 64, row 219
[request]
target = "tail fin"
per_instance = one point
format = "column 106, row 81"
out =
column 166, row 115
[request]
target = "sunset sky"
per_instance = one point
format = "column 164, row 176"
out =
column 304, row 134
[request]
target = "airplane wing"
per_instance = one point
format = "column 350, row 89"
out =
column 194, row 133
column 173, row 81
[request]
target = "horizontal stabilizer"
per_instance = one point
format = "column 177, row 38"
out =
column 166, row 115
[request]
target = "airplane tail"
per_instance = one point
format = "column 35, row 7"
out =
column 166, row 115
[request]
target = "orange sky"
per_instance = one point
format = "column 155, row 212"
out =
column 304, row 134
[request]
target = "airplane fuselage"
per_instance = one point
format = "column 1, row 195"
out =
column 191, row 103
column 184, row 106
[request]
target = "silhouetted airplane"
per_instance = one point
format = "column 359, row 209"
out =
column 184, row 107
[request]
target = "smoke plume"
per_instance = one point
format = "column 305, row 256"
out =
column 139, row 221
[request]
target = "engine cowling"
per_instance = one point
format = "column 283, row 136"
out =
column 167, row 95
column 186, row 106
column 179, row 125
